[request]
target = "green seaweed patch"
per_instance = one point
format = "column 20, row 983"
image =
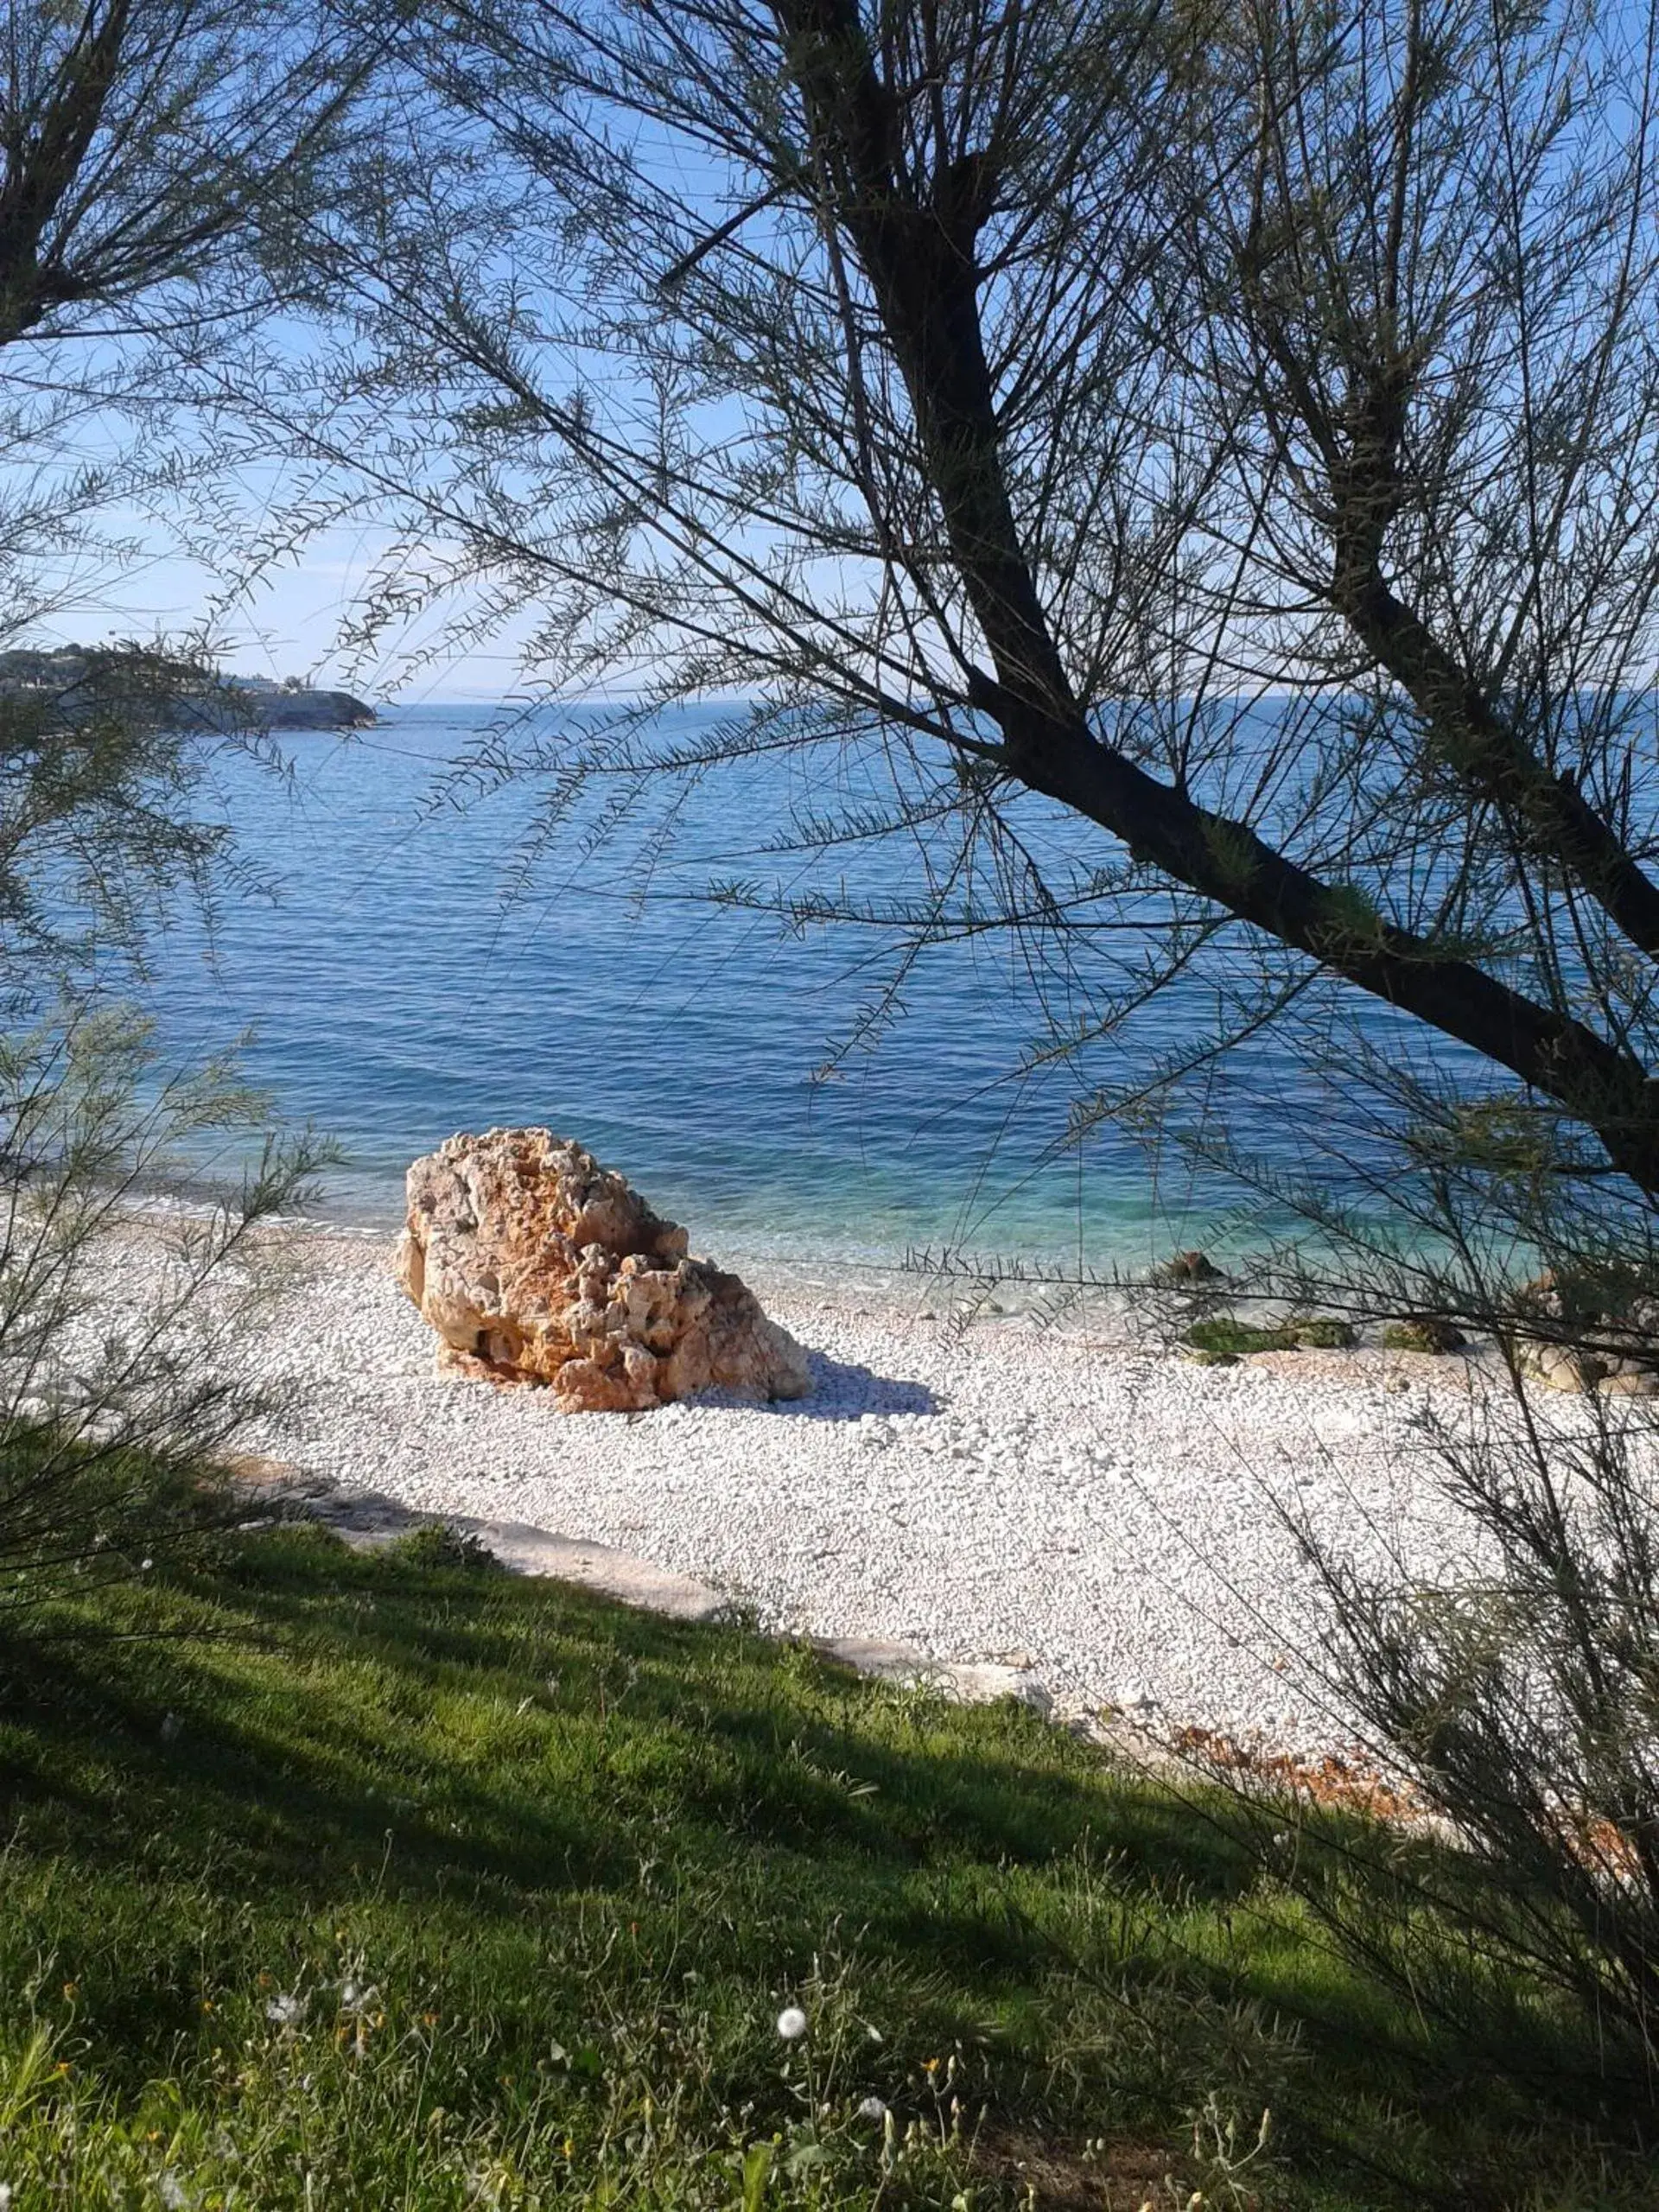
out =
column 1222, row 1340
column 1324, row 1332
column 1428, row 1332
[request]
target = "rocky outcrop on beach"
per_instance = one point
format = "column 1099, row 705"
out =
column 535, row 1264
column 1589, row 1341
column 1185, row 1271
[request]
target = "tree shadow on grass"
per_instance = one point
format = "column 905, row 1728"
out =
column 479, row 1782
column 331, row 1710
column 472, row 1775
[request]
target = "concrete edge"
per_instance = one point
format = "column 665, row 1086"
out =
column 367, row 1520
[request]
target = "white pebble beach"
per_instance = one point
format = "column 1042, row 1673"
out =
column 1103, row 1515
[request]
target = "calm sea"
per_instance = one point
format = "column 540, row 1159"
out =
column 400, row 983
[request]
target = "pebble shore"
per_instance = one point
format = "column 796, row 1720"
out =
column 1103, row 1515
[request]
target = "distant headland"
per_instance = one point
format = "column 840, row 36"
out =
column 294, row 705
column 69, row 674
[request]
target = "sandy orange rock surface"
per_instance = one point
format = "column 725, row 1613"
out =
column 535, row 1264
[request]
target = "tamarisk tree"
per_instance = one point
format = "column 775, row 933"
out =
column 159, row 161
column 1231, row 431
column 1233, row 426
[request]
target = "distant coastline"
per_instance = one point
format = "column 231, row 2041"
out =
column 75, row 678
column 292, row 705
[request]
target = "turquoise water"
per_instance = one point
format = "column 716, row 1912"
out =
column 396, row 994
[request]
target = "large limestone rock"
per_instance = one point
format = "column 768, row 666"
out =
column 536, row 1264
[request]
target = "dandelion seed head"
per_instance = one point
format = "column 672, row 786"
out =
column 872, row 2108
column 791, row 2023
column 285, row 2010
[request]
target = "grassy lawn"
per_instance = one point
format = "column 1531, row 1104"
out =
column 337, row 1881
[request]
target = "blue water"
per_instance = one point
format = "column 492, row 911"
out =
column 400, row 985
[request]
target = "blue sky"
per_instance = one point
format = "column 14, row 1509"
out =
column 289, row 627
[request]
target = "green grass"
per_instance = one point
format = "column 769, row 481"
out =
column 335, row 1881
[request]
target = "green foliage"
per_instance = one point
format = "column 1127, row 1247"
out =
column 76, row 1505
column 110, row 1409
column 1234, row 852
column 440, row 1544
column 359, row 1883
column 99, row 778
column 1520, row 1704
column 1349, row 922
column 1500, row 1136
